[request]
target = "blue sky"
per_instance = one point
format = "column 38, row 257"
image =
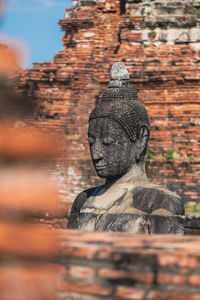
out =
column 32, row 27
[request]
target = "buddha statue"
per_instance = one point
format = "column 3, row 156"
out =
column 118, row 134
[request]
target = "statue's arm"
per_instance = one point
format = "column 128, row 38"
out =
column 170, row 219
column 164, row 210
column 75, row 210
column 176, row 206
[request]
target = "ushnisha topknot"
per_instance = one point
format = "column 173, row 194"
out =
column 120, row 103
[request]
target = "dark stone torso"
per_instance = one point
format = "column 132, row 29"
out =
column 145, row 210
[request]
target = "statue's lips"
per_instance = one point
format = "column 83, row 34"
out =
column 99, row 168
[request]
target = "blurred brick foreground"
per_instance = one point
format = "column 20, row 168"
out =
column 26, row 192
column 123, row 266
column 159, row 43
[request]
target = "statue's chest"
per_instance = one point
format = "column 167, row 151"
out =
column 138, row 211
column 114, row 215
column 94, row 221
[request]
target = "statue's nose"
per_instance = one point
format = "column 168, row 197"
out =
column 97, row 152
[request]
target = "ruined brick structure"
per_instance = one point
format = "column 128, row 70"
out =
column 159, row 43
column 121, row 266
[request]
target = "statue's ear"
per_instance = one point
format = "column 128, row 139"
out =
column 141, row 142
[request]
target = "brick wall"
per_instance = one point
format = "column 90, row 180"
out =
column 159, row 43
column 123, row 266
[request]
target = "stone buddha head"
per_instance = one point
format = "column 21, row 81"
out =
column 119, row 128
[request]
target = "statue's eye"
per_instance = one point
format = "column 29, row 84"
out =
column 107, row 140
column 91, row 140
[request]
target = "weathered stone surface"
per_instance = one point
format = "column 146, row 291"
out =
column 194, row 34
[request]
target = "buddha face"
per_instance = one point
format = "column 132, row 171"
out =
column 111, row 149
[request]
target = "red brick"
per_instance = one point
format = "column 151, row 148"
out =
column 81, row 271
column 129, row 293
column 85, row 288
column 194, row 279
column 158, row 295
column 178, row 259
column 139, row 276
column 27, row 280
column 23, row 239
column 170, row 278
column 79, row 251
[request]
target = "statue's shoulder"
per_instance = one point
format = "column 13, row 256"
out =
column 152, row 197
column 76, row 207
column 81, row 198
